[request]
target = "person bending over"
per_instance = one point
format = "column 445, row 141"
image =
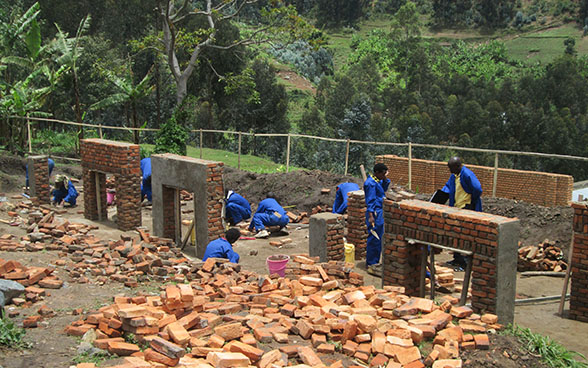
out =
column 223, row 247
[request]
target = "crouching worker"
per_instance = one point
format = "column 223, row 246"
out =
column 223, row 247
column 340, row 204
column 64, row 192
column 237, row 208
column 50, row 165
column 146, row 179
column 269, row 213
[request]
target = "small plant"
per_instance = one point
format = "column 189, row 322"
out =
column 95, row 358
column 10, row 334
column 171, row 138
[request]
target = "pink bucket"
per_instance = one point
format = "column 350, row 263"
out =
column 110, row 197
column 277, row 264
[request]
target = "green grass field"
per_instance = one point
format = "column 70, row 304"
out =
column 248, row 162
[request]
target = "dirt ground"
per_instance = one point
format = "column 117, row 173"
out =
column 301, row 189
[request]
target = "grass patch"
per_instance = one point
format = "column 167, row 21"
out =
column 11, row 335
column 96, row 358
column 552, row 353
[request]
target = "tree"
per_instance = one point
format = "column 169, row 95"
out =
column 336, row 13
column 406, row 22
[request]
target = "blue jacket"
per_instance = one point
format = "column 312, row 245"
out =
column 69, row 195
column 146, row 182
column 237, row 208
column 469, row 183
column 50, row 163
column 340, row 204
column 269, row 213
column 221, row 248
column 374, row 197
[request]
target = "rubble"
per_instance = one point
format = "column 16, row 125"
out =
column 546, row 256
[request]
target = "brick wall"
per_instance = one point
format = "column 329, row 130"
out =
column 38, row 169
column 534, row 187
column 99, row 157
column 492, row 239
column 579, row 293
column 326, row 237
column 356, row 227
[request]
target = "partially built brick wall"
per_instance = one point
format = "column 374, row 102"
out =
column 38, row 169
column 202, row 177
column 101, row 157
column 579, row 266
column 356, row 227
column 541, row 188
column 492, row 239
column 326, row 237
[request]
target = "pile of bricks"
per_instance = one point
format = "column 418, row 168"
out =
column 229, row 318
column 356, row 227
column 38, row 170
column 546, row 256
column 333, row 272
column 579, row 265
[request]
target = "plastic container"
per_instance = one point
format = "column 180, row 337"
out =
column 349, row 253
column 277, row 264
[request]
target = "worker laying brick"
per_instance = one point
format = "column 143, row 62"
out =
column 269, row 213
column 50, row 164
column 340, row 204
column 375, row 188
column 146, row 179
column 223, row 247
column 64, row 192
column 237, row 208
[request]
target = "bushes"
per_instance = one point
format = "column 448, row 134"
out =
column 313, row 64
column 171, row 138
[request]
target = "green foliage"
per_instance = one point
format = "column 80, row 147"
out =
column 96, row 358
column 171, row 138
column 551, row 352
column 11, row 335
column 313, row 64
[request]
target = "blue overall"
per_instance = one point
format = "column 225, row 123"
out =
column 69, row 195
column 340, row 204
column 221, row 248
column 469, row 183
column 269, row 213
column 375, row 191
column 50, row 163
column 237, row 209
column 146, row 183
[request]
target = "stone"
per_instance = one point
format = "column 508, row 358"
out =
column 10, row 289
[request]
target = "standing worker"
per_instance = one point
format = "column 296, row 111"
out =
column 50, row 164
column 465, row 192
column 146, row 179
column 269, row 213
column 375, row 188
column 237, row 208
column 340, row 204
column 64, row 191
column 223, row 247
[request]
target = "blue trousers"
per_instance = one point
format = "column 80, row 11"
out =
column 374, row 245
column 261, row 220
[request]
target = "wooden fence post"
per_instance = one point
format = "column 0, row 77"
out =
column 347, row 156
column 239, row 156
column 29, row 134
column 495, row 179
column 409, row 165
column 288, row 155
column 200, row 143
column 100, row 130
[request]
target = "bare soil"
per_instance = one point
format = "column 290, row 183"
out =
column 302, row 190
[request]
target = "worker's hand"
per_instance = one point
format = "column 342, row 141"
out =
column 371, row 219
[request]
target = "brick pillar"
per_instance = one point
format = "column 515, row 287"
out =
column 169, row 212
column 38, row 169
column 579, row 266
column 128, row 201
column 90, row 204
column 215, row 194
column 326, row 237
column 356, row 227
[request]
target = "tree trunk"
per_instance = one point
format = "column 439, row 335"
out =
column 135, row 125
column 182, row 89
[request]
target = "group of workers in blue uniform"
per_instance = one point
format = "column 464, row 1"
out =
column 64, row 193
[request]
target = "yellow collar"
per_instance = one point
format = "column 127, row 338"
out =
column 376, row 179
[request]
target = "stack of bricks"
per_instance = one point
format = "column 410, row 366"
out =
column 356, row 227
column 215, row 194
column 492, row 240
column 303, row 265
column 579, row 293
column 38, row 169
column 100, row 156
column 541, row 188
column 326, row 236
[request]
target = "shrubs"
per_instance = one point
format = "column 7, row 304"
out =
column 313, row 64
column 171, row 138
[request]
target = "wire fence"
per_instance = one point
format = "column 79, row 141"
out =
column 342, row 156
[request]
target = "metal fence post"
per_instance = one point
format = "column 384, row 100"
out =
column 239, row 156
column 288, row 155
column 347, row 156
column 201, row 143
column 29, row 134
column 409, row 165
column 495, row 179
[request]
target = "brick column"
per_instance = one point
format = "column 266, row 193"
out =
column 38, row 169
column 579, row 266
column 128, row 200
column 169, row 212
column 356, row 227
column 326, row 237
column 215, row 193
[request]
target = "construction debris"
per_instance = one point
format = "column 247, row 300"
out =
column 546, row 256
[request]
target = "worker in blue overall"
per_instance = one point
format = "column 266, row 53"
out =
column 223, row 247
column 465, row 191
column 64, row 192
column 146, row 179
column 269, row 213
column 375, row 188
column 237, row 208
column 50, row 164
column 340, row 204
